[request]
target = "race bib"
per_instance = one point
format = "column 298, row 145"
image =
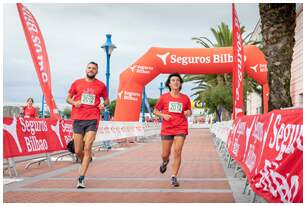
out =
column 88, row 99
column 175, row 107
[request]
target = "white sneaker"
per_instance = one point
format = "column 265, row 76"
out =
column 174, row 181
column 81, row 184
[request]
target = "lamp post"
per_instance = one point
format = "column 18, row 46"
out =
column 161, row 88
column 108, row 48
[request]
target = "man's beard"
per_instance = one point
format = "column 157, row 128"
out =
column 91, row 77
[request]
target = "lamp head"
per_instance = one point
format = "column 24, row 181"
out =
column 108, row 46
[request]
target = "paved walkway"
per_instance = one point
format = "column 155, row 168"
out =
column 130, row 174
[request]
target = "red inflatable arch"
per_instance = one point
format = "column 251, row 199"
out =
column 184, row 61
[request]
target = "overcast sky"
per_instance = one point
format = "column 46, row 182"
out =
column 73, row 34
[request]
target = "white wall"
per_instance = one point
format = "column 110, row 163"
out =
column 296, row 87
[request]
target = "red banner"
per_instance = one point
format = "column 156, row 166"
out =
column 28, row 136
column 39, row 55
column 238, row 64
column 269, row 149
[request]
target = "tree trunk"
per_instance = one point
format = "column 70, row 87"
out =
column 277, row 28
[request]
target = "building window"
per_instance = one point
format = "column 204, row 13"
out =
column 301, row 100
column 258, row 110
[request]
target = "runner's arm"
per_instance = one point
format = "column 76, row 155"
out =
column 157, row 113
column 106, row 102
column 187, row 113
column 70, row 100
column 160, row 114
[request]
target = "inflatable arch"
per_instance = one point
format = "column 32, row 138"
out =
column 184, row 61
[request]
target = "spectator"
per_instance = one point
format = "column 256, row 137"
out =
column 29, row 111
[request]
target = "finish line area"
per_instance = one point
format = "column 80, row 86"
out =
column 130, row 173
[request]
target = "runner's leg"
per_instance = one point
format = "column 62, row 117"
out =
column 166, row 149
column 78, row 145
column 89, row 138
column 177, row 154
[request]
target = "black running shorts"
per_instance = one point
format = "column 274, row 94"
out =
column 83, row 126
column 171, row 137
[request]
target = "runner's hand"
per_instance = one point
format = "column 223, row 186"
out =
column 77, row 104
column 166, row 117
column 187, row 113
column 101, row 106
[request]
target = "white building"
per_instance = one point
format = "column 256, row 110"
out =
column 296, row 87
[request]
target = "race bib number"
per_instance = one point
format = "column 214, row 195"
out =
column 88, row 99
column 175, row 107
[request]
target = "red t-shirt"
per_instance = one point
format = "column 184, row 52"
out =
column 174, row 106
column 89, row 93
column 29, row 112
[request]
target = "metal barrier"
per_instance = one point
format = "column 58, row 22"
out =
column 147, row 130
column 10, row 163
column 220, row 131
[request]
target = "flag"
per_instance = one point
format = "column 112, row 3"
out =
column 238, row 66
column 39, row 55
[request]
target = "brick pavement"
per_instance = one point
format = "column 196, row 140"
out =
column 130, row 175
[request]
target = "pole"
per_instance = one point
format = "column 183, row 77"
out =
column 108, row 47
column 106, row 110
column 42, row 106
column 161, row 88
column 143, row 104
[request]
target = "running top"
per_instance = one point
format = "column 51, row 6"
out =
column 29, row 112
column 174, row 106
column 89, row 93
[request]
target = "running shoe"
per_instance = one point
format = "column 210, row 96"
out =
column 163, row 167
column 81, row 184
column 174, row 181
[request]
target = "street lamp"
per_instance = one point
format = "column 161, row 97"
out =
column 108, row 48
column 161, row 88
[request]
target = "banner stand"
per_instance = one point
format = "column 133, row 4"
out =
column 39, row 160
column 48, row 158
column 250, row 191
column 12, row 165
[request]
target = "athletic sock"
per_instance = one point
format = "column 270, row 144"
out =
column 81, row 178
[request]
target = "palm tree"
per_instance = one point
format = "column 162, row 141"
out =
column 277, row 28
column 209, row 87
